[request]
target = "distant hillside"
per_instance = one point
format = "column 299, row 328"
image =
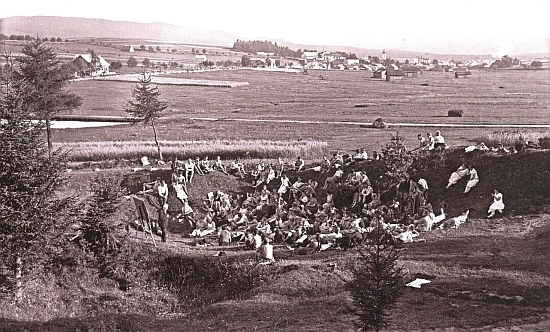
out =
column 73, row 27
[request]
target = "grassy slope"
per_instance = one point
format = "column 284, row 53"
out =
column 488, row 273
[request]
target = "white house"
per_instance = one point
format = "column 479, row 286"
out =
column 201, row 57
column 84, row 66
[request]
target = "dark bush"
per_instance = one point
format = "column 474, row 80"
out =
column 455, row 113
column 544, row 142
column 201, row 281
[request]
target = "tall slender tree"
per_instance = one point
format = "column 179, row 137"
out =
column 32, row 213
column 42, row 79
column 146, row 106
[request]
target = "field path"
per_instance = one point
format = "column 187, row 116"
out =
column 453, row 125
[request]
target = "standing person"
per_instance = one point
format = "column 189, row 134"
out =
column 281, row 166
column 189, row 170
column 162, row 192
column 188, row 214
column 473, row 181
column 163, row 221
column 497, row 205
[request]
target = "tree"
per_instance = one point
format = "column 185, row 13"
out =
column 245, row 61
column 192, row 51
column 151, row 49
column 32, row 216
column 59, row 39
column 99, row 226
column 204, row 51
column 146, row 107
column 42, row 80
column 94, row 61
column 435, row 62
column 53, row 39
column 158, row 48
column 142, row 47
column 146, row 62
column 536, row 64
column 116, row 65
column 132, row 62
column 377, row 281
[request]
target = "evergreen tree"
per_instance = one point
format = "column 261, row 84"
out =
column 42, row 80
column 146, row 107
column 101, row 228
column 33, row 214
column 377, row 281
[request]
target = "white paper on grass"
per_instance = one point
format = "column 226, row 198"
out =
column 416, row 283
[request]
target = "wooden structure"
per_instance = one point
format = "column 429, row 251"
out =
column 464, row 73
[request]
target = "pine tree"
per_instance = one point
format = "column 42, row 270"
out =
column 377, row 281
column 146, row 107
column 42, row 79
column 33, row 213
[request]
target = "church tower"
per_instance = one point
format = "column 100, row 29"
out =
column 384, row 55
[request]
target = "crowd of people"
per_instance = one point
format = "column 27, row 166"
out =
column 300, row 212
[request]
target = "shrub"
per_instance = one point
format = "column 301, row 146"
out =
column 201, row 281
column 455, row 113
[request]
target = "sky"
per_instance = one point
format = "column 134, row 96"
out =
column 452, row 27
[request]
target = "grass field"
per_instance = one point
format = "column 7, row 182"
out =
column 499, row 97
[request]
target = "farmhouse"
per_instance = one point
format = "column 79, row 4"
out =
column 85, row 66
column 393, row 75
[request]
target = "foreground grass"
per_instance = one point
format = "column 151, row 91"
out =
column 227, row 149
column 487, row 274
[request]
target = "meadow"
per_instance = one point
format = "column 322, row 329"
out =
column 487, row 98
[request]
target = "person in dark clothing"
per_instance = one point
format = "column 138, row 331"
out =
column 163, row 221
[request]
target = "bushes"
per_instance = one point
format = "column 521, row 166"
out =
column 455, row 113
column 201, row 281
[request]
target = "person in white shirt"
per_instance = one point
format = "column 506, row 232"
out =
column 473, row 181
column 439, row 141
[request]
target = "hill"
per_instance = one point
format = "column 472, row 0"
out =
column 76, row 27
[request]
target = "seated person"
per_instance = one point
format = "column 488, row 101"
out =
column 151, row 187
column 198, row 166
column 271, row 174
column 335, row 178
column 205, row 165
column 224, row 236
column 461, row 172
column 298, row 164
column 238, row 167
column 439, row 141
column 219, row 166
column 325, row 164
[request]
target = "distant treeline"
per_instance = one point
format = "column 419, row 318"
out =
column 29, row 37
column 256, row 46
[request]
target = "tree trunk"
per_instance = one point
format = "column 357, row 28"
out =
column 49, row 136
column 18, row 281
column 156, row 140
